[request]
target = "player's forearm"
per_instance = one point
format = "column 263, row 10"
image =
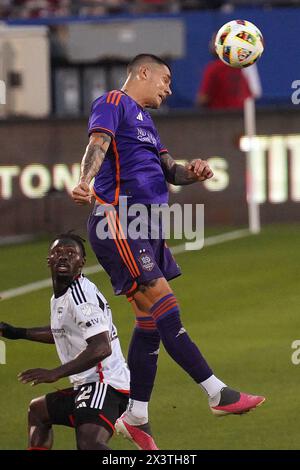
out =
column 41, row 334
column 90, row 357
column 175, row 173
column 93, row 157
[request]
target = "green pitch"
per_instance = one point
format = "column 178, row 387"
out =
column 240, row 303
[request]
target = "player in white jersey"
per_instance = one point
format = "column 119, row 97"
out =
column 89, row 349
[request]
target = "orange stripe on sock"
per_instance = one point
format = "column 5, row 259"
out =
column 166, row 305
column 164, row 309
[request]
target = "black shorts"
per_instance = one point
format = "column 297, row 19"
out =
column 95, row 402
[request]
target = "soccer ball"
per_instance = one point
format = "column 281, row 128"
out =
column 239, row 43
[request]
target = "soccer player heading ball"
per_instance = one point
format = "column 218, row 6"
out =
column 126, row 158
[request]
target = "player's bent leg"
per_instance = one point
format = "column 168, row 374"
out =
column 142, row 361
column 40, row 434
column 166, row 314
column 91, row 436
column 163, row 307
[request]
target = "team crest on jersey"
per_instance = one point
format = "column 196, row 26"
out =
column 86, row 309
column 60, row 312
column 146, row 262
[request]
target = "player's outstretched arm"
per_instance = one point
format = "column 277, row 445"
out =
column 97, row 350
column 90, row 166
column 196, row 170
column 40, row 334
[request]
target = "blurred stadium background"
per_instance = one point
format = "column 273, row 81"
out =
column 239, row 299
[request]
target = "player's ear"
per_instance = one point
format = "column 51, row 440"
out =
column 144, row 72
column 48, row 261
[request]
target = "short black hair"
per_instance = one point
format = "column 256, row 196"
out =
column 144, row 58
column 71, row 236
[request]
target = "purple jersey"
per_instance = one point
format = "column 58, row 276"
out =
column 132, row 164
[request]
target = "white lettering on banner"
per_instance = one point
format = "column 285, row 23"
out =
column 31, row 189
column 220, row 181
column 269, row 161
column 36, row 179
column 64, row 179
column 6, row 175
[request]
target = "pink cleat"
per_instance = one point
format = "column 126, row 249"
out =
column 139, row 435
column 236, row 403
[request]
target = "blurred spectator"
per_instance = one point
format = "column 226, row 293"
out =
column 222, row 87
column 41, row 8
column 101, row 7
column 149, row 6
column 55, row 8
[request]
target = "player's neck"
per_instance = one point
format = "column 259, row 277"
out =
column 132, row 91
column 61, row 284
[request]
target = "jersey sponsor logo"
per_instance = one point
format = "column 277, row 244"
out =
column 140, row 116
column 146, row 262
column 145, row 136
column 58, row 332
column 92, row 321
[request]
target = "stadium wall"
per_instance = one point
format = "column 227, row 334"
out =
column 278, row 69
column 39, row 165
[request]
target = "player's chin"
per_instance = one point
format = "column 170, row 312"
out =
column 63, row 274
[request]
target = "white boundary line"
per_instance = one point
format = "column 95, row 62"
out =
column 34, row 286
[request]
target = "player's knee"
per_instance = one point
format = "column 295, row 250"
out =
column 152, row 291
column 90, row 438
column 89, row 443
column 37, row 411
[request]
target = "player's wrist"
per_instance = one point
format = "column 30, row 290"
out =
column 85, row 180
column 11, row 332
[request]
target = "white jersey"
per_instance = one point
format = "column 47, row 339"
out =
column 80, row 313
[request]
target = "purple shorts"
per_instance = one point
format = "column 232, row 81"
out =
column 130, row 262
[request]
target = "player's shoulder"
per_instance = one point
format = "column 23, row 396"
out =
column 113, row 97
column 85, row 291
column 79, row 290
